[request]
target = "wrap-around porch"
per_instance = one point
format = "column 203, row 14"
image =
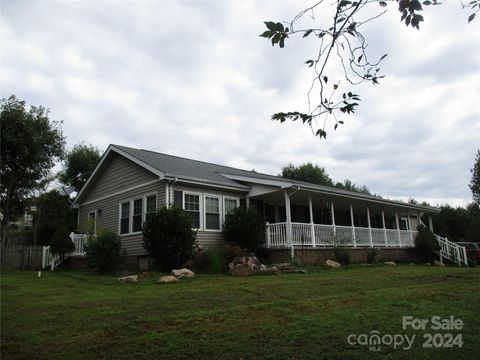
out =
column 298, row 217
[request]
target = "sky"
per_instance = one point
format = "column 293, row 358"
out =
column 194, row 79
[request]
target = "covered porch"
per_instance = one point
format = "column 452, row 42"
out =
column 299, row 217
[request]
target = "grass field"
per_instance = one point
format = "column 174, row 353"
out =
column 78, row 315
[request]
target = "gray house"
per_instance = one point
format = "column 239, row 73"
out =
column 129, row 183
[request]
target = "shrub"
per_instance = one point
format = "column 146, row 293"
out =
column 61, row 243
column 245, row 227
column 425, row 245
column 103, row 252
column 216, row 260
column 371, row 255
column 342, row 255
column 168, row 237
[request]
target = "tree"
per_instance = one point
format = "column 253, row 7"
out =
column 61, row 243
column 30, row 144
column 341, row 39
column 475, row 181
column 308, row 173
column 52, row 211
column 350, row 186
column 79, row 165
column 103, row 252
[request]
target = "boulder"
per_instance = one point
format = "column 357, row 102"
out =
column 128, row 279
column 333, row 264
column 246, row 265
column 389, row 263
column 183, row 273
column 284, row 266
column 295, row 271
column 272, row 270
column 167, row 279
column 438, row 263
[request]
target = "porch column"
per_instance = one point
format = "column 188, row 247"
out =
column 332, row 209
column 410, row 226
column 269, row 242
column 369, row 227
column 247, row 202
column 312, row 226
column 430, row 223
column 289, row 218
column 384, row 228
column 353, row 226
column 398, row 229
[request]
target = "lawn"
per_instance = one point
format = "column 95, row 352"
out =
column 78, row 315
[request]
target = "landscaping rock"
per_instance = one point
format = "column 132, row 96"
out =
column 167, row 279
column 246, row 265
column 272, row 270
column 128, row 279
column 438, row 263
column 333, row 264
column 183, row 273
column 390, row 263
column 295, row 271
column 284, row 266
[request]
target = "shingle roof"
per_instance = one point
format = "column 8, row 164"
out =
column 175, row 166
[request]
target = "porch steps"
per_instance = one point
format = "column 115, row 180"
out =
column 451, row 251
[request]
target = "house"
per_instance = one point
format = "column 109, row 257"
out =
column 128, row 183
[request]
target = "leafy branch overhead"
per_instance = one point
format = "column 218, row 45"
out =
column 342, row 40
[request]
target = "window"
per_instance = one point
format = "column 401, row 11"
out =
column 230, row 204
column 212, row 212
column 178, row 198
column 150, row 204
column 137, row 218
column 92, row 226
column 125, row 218
column 192, row 205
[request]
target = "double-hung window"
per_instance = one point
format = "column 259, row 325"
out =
column 192, row 206
column 150, row 204
column 92, row 220
column 137, row 216
column 125, row 217
column 212, row 212
column 229, row 204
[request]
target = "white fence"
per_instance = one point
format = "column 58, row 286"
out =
column 304, row 234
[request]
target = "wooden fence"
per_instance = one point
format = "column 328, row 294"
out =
column 21, row 257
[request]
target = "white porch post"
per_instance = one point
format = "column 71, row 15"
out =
column 247, row 202
column 384, row 228
column 410, row 226
column 269, row 242
column 369, row 227
column 312, row 226
column 332, row 209
column 289, row 218
column 353, row 226
column 430, row 223
column 398, row 228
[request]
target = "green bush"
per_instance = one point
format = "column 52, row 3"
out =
column 371, row 256
column 342, row 255
column 168, row 237
column 103, row 252
column 245, row 227
column 61, row 243
column 425, row 245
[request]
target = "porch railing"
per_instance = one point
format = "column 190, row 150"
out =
column 305, row 234
column 79, row 240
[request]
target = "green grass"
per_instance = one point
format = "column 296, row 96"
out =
column 78, row 315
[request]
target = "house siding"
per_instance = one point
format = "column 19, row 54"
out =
column 117, row 174
column 206, row 238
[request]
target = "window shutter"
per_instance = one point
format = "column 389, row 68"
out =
column 178, row 198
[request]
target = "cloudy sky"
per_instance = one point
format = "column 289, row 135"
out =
column 194, row 79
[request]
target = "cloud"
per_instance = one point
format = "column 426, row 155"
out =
column 194, row 79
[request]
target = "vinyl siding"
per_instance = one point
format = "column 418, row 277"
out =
column 206, row 238
column 110, row 211
column 116, row 174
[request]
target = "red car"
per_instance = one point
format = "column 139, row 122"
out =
column 473, row 251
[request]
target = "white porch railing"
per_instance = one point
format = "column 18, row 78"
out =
column 305, row 234
column 79, row 240
column 51, row 260
column 452, row 251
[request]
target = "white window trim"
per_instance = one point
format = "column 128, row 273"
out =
column 120, row 217
column 200, row 206
column 88, row 221
column 130, row 211
column 220, row 212
column 237, row 199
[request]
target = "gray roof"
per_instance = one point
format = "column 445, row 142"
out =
column 183, row 168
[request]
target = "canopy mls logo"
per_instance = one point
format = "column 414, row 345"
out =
column 375, row 340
